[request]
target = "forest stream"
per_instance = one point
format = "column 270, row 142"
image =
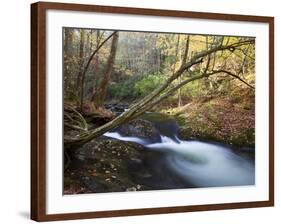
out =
column 192, row 163
column 162, row 161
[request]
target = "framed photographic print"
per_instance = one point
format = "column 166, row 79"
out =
column 143, row 111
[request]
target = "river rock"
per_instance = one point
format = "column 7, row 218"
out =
column 141, row 129
column 116, row 108
column 104, row 146
column 104, row 165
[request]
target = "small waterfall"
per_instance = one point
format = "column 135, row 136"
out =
column 165, row 139
column 116, row 135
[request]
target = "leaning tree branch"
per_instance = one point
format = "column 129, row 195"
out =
column 235, row 76
column 152, row 98
column 246, row 54
column 96, row 51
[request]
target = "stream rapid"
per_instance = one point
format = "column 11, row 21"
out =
column 193, row 163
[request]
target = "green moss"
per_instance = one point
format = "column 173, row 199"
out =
column 245, row 138
column 181, row 120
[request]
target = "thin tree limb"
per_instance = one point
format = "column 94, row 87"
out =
column 235, row 76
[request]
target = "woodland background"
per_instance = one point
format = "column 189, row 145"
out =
column 214, row 93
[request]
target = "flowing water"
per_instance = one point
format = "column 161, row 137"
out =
column 177, row 163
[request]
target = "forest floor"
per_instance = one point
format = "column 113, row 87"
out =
column 224, row 119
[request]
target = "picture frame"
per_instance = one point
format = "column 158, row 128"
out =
column 40, row 128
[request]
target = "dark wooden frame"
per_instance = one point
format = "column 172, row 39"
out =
column 38, row 110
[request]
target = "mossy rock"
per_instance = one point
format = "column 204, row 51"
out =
column 104, row 147
column 103, row 165
column 139, row 128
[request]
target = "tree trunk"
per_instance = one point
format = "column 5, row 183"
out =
column 79, row 84
column 96, row 67
column 68, row 42
column 102, row 90
column 174, row 68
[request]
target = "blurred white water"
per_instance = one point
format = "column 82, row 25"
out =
column 116, row 135
column 207, row 164
column 201, row 163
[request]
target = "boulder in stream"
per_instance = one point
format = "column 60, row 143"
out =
column 141, row 129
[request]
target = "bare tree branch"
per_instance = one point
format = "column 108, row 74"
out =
column 155, row 97
column 235, row 76
column 95, row 51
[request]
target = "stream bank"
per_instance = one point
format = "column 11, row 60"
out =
column 222, row 119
